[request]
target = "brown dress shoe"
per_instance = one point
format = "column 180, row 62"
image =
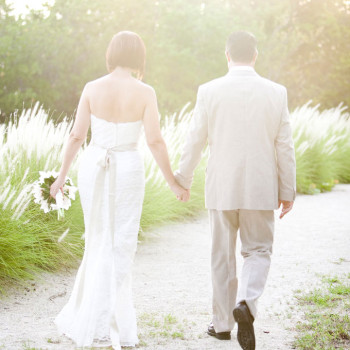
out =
column 245, row 333
column 218, row 335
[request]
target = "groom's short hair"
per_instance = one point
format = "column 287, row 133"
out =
column 241, row 46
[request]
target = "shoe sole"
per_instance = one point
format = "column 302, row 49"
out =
column 245, row 333
column 220, row 336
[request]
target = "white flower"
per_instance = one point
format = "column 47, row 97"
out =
column 62, row 202
column 71, row 191
column 45, row 206
column 37, row 192
column 59, row 200
column 46, row 174
column 66, row 203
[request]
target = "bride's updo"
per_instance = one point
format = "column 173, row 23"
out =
column 126, row 49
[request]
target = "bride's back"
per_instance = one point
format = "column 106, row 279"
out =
column 117, row 98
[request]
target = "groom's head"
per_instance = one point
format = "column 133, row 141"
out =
column 241, row 48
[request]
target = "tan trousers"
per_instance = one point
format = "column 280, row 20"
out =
column 256, row 232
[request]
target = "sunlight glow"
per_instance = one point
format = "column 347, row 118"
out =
column 22, row 7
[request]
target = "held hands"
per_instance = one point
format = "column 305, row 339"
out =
column 286, row 207
column 181, row 194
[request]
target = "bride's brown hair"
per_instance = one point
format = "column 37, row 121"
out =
column 126, row 49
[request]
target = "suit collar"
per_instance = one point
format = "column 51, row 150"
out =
column 241, row 68
column 242, row 71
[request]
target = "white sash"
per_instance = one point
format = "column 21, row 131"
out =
column 104, row 170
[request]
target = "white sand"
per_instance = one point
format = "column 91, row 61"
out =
column 172, row 290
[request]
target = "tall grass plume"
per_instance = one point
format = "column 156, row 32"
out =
column 31, row 241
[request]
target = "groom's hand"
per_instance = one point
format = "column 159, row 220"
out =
column 181, row 193
column 185, row 196
column 286, row 207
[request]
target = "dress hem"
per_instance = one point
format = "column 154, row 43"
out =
column 96, row 345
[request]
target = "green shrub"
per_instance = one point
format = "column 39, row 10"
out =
column 32, row 142
column 28, row 237
column 322, row 148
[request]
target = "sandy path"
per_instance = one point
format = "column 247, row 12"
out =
column 172, row 289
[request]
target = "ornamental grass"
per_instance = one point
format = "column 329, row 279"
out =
column 31, row 241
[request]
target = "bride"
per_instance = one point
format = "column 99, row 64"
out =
column 111, row 184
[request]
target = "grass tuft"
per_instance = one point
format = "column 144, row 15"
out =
column 326, row 324
column 161, row 328
column 322, row 148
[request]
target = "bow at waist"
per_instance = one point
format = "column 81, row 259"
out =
column 104, row 160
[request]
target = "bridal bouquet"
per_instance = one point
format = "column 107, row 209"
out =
column 41, row 192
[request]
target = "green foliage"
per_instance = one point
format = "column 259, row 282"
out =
column 160, row 206
column 326, row 324
column 49, row 55
column 322, row 148
column 29, row 238
column 162, row 327
column 29, row 245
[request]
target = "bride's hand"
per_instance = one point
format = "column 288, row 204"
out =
column 181, row 194
column 56, row 186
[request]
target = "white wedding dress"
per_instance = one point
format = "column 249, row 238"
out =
column 111, row 184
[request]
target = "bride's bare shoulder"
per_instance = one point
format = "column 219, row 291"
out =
column 91, row 86
column 147, row 90
column 97, row 81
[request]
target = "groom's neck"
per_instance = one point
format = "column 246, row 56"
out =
column 240, row 64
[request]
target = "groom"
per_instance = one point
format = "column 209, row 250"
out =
column 251, row 172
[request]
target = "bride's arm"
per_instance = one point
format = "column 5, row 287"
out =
column 76, row 138
column 157, row 145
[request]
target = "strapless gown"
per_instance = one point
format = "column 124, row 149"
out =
column 111, row 184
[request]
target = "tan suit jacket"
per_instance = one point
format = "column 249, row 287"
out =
column 245, row 120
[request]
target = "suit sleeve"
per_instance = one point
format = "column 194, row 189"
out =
column 195, row 142
column 285, row 155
